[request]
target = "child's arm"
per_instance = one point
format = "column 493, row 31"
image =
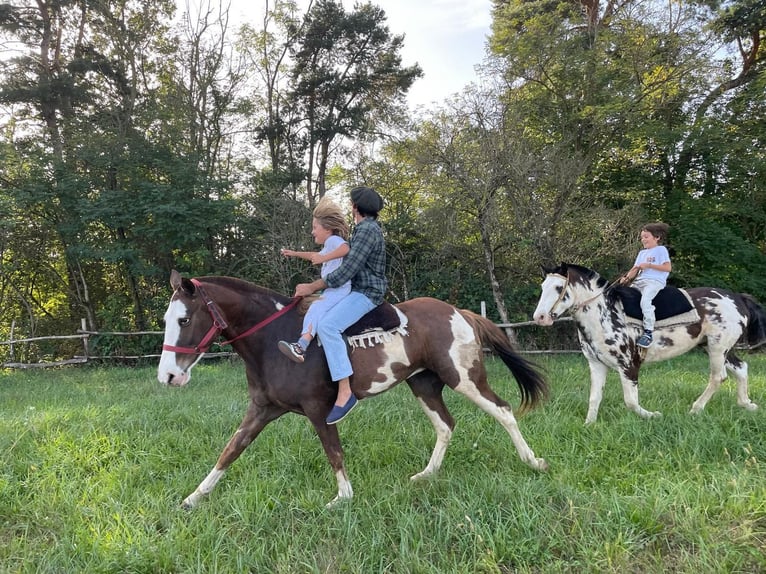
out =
column 340, row 251
column 307, row 255
column 661, row 267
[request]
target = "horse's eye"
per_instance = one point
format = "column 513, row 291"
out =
column 183, row 322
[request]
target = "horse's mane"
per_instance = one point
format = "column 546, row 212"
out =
column 589, row 274
column 244, row 287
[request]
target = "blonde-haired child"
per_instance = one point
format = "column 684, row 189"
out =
column 329, row 229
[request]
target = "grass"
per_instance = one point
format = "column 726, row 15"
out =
column 94, row 464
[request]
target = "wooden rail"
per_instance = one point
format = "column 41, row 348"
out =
column 84, row 335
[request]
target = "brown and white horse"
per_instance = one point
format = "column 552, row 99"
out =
column 443, row 347
column 608, row 339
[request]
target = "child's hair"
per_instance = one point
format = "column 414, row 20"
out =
column 658, row 229
column 330, row 216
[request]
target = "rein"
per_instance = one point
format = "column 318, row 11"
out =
column 574, row 307
column 219, row 324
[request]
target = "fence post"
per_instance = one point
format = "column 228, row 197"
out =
column 84, row 327
column 484, row 309
column 12, row 355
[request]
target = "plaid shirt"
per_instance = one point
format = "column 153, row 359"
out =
column 365, row 264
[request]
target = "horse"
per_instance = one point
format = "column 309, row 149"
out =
column 608, row 336
column 440, row 346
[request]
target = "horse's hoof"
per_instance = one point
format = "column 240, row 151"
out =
column 540, row 464
column 421, row 476
column 751, row 407
column 189, row 503
column 336, row 502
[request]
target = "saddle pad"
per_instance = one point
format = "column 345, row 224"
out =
column 383, row 317
column 672, row 306
column 371, row 337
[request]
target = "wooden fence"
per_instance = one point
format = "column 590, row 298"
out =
column 87, row 356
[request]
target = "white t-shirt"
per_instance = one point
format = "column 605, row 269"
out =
column 332, row 243
column 656, row 256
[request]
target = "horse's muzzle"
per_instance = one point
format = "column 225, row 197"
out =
column 174, row 379
column 545, row 319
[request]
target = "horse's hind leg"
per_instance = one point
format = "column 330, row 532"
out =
column 253, row 422
column 738, row 369
column 716, row 377
column 719, row 364
column 427, row 388
column 477, row 390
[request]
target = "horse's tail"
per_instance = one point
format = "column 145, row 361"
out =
column 528, row 375
column 756, row 324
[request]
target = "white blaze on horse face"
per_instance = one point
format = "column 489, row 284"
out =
column 549, row 298
column 168, row 371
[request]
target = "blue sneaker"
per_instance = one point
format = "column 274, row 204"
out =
column 645, row 340
column 337, row 413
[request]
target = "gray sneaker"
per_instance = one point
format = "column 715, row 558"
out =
column 293, row 350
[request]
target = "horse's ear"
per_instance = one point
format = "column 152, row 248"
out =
column 546, row 270
column 175, row 280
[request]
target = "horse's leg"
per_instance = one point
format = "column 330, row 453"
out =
column 256, row 417
column 717, row 359
column 427, row 388
column 328, row 436
column 474, row 387
column 719, row 363
column 598, row 373
column 629, row 382
column 738, row 369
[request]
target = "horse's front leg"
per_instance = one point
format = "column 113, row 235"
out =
column 598, row 373
column 252, row 424
column 328, row 435
column 629, row 380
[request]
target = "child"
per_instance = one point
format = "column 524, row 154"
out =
column 653, row 263
column 329, row 229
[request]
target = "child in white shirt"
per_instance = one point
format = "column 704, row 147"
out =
column 653, row 265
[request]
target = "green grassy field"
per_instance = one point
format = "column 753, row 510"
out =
column 95, row 462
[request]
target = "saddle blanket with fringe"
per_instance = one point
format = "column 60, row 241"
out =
column 361, row 337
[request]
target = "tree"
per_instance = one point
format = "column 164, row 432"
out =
column 347, row 78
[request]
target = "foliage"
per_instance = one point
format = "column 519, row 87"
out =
column 132, row 143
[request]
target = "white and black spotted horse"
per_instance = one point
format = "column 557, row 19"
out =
column 443, row 346
column 608, row 336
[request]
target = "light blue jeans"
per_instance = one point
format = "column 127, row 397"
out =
column 649, row 289
column 330, row 328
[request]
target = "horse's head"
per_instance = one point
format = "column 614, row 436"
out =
column 189, row 330
column 559, row 290
column 555, row 297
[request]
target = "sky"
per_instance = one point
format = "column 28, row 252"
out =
column 447, row 38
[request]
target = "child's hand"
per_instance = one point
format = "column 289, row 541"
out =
column 288, row 252
column 316, row 258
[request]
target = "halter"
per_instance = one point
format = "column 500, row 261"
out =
column 219, row 324
column 574, row 307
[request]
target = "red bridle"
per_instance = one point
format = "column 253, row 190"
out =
column 219, row 324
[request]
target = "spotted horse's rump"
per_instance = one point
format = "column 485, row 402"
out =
column 608, row 337
column 441, row 346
